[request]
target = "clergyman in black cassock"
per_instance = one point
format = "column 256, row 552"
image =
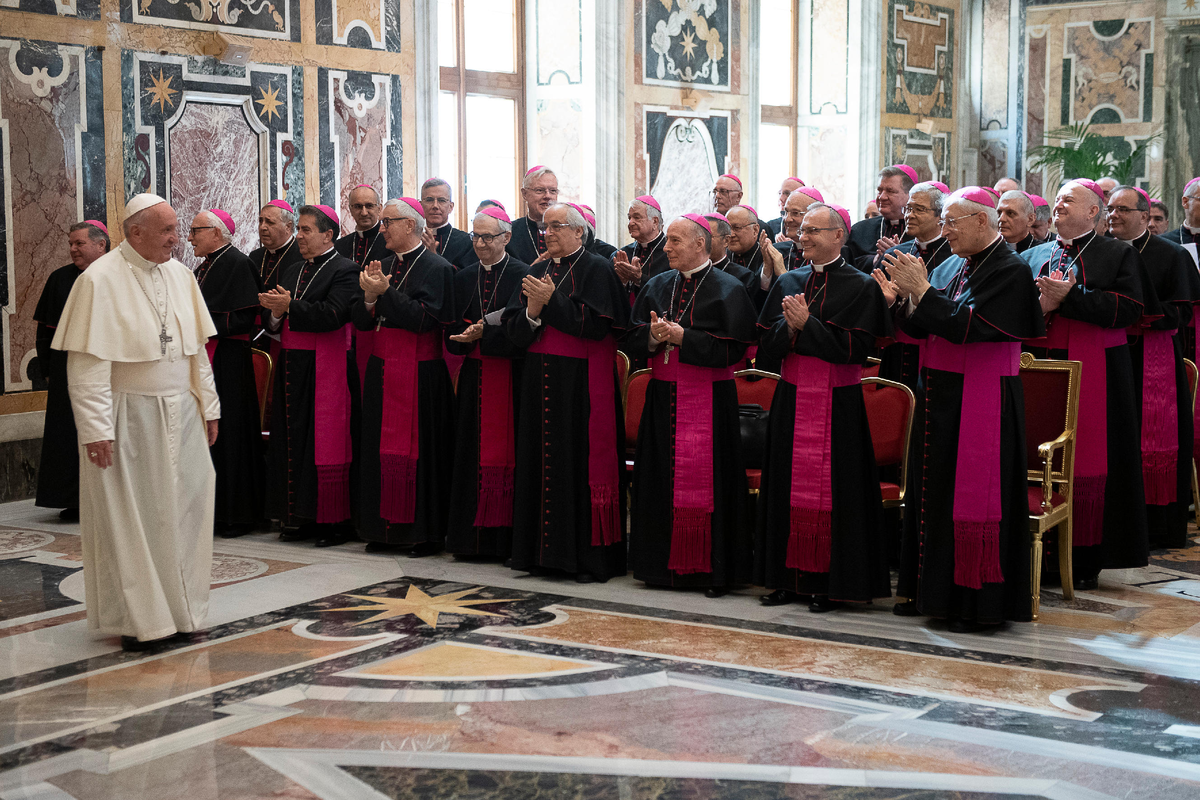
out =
column 539, row 191
column 366, row 243
column 481, row 497
column 891, row 195
column 820, row 511
column 1092, row 291
column 441, row 237
column 407, row 440
column 1155, row 349
column 278, row 248
column 689, row 524
column 966, row 554
column 58, row 470
column 1189, row 231
column 569, row 507
column 309, row 453
column 1017, row 218
column 230, row 289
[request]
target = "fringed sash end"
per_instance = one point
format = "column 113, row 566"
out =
column 809, row 542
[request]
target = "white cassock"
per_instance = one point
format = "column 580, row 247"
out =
column 147, row 520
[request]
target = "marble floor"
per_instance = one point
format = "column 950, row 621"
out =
column 338, row 674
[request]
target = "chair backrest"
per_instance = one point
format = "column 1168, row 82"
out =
column 1192, row 378
column 262, row 380
column 635, row 401
column 890, row 408
column 755, row 387
column 1051, row 390
column 622, row 370
column 871, row 368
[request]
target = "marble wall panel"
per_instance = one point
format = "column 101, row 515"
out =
column 829, row 57
column 80, row 9
column 687, row 42
column 826, row 169
column 366, row 24
column 271, row 19
column 208, row 135
column 559, row 41
column 360, row 127
column 52, row 147
column 919, row 64
column 560, row 142
column 993, row 111
column 1110, row 61
column 684, row 155
column 928, row 154
column 1035, row 99
column 993, row 161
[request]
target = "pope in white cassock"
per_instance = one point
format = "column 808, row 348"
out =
column 146, row 409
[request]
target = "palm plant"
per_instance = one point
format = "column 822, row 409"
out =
column 1087, row 154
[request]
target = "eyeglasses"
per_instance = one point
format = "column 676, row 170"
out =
column 363, row 206
column 486, row 238
column 557, row 226
column 725, row 192
column 436, row 201
column 915, row 209
column 386, row 221
column 743, row 227
column 809, row 231
column 1121, row 210
column 953, row 221
column 192, row 231
column 544, row 192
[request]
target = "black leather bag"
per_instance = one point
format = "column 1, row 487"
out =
column 753, row 420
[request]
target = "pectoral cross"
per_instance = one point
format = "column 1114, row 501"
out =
column 163, row 338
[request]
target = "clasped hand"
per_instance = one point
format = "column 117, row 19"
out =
column 908, row 275
column 795, row 312
column 1054, row 289
column 538, row 292
column 276, row 301
column 372, row 281
column 664, row 330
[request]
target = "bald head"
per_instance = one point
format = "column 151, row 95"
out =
column 1006, row 185
column 788, row 186
column 793, row 213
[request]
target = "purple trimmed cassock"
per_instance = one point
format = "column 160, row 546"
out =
column 569, row 511
column 865, row 234
column 690, row 520
column 481, row 497
column 901, row 360
column 269, row 264
column 528, row 240
column 405, row 465
column 820, row 512
column 965, row 553
column 1109, row 527
column 455, row 246
column 230, row 289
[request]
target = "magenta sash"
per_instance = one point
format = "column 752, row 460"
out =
column 331, row 417
column 1087, row 344
column 497, row 442
column 692, row 480
column 399, row 432
column 211, row 345
column 978, row 507
column 811, row 500
column 603, row 480
column 1160, row 418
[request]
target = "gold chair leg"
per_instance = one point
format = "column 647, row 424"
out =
column 1065, row 570
column 1036, row 583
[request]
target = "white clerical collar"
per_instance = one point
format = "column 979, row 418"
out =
column 1134, row 239
column 445, row 224
column 692, row 272
column 925, row 245
column 488, row 267
column 327, row 252
column 558, row 260
column 135, row 258
column 1191, row 230
column 1065, row 242
column 650, row 241
column 822, row 267
column 283, row 246
column 368, row 230
column 409, row 250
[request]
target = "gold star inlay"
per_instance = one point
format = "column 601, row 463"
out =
column 270, row 103
column 161, row 92
column 1190, row 4
column 423, row 606
column 688, row 43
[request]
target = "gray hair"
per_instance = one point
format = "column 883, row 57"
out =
column 219, row 227
column 505, row 227
column 432, row 182
column 285, row 216
column 989, row 213
column 720, row 226
column 134, row 220
column 651, row 211
column 94, row 233
column 575, row 220
column 937, row 198
column 834, row 218
column 896, row 172
column 1043, row 213
column 408, row 212
column 1142, row 203
column 1023, row 201
column 533, row 175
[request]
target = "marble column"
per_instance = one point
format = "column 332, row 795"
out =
column 611, row 157
column 428, row 82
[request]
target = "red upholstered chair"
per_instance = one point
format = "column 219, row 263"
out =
column 635, row 401
column 755, row 387
column 890, row 407
column 1051, row 391
column 262, row 381
column 1192, row 377
column 622, row 373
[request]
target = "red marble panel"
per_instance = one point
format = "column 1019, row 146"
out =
column 1035, row 104
column 361, row 131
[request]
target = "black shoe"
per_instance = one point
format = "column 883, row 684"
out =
column 1087, row 584
column 379, row 547
column 821, row 603
column 906, row 609
column 779, row 597
column 967, row 626
column 425, row 549
column 296, row 535
column 131, row 644
column 713, row 592
column 331, row 540
column 585, row 577
column 69, row 515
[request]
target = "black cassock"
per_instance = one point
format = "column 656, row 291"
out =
column 477, row 292
column 719, row 323
column 598, row 246
column 1176, row 283
column 58, row 472
column 1110, row 293
column 419, row 299
column 989, row 298
column 1182, row 236
column 455, row 246
column 323, row 291
column 268, row 266
column 653, row 259
column 528, row 240
column 865, row 234
column 363, row 247
column 901, row 360
column 793, row 259
column 553, row 514
column 848, row 314
column 743, row 275
column 230, row 287
column 773, row 228
column 1024, row 244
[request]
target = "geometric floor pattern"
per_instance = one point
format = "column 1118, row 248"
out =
column 339, row 674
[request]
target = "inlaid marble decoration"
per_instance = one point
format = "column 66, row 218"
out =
column 684, row 155
column 52, row 176
column 80, row 9
column 1109, row 63
column 993, row 161
column 993, row 112
column 559, row 41
column 366, row 24
column 687, row 42
column 826, row 170
column 206, row 135
column 271, row 19
column 920, row 59
column 560, row 142
column 928, row 154
column 359, row 142
column 1035, row 98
